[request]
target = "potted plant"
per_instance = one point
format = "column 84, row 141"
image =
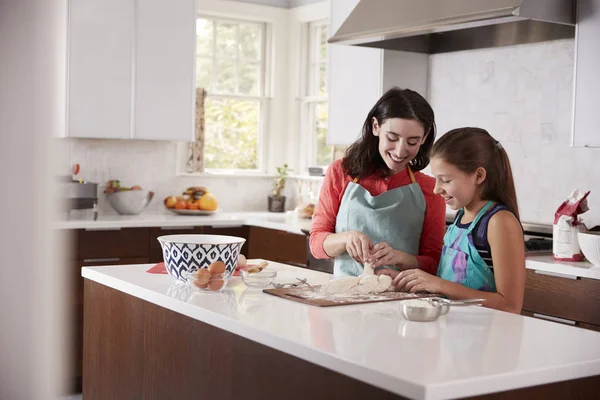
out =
column 276, row 200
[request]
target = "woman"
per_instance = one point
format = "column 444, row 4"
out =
column 374, row 205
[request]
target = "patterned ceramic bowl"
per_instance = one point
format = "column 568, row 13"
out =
column 184, row 254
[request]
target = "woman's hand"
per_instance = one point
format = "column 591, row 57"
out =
column 383, row 255
column 359, row 246
column 415, row 280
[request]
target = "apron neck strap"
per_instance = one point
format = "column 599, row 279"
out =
column 410, row 173
column 479, row 215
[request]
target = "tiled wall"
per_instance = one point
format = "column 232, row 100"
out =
column 523, row 95
column 152, row 165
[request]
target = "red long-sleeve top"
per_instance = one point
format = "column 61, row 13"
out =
column 332, row 191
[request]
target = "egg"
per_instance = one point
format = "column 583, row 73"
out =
column 242, row 261
column 216, row 284
column 216, row 268
column 202, row 276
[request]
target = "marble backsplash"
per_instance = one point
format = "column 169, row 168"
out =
column 523, row 95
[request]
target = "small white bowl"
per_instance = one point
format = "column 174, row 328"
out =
column 589, row 242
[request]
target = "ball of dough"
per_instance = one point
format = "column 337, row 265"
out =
column 384, row 282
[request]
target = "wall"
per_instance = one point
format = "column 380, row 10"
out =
column 523, row 96
column 152, row 165
column 32, row 44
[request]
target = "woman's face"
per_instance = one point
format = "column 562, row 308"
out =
column 399, row 141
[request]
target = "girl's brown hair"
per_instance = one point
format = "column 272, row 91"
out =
column 470, row 148
column 362, row 157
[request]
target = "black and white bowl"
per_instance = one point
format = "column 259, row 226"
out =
column 184, row 254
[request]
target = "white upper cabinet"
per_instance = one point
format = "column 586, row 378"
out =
column 131, row 69
column 164, row 70
column 100, row 64
column 355, row 81
column 587, row 79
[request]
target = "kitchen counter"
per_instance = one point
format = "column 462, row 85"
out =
column 288, row 221
column 471, row 351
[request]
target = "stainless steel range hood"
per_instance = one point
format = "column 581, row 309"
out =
column 438, row 26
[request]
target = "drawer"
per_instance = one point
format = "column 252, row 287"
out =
column 562, row 321
column 279, row 246
column 575, row 299
column 113, row 243
column 155, row 251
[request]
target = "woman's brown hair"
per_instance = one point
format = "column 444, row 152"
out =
column 470, row 148
column 362, row 157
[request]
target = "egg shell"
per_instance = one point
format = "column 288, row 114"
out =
column 202, row 276
column 218, row 267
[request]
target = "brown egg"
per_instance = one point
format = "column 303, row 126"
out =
column 216, row 284
column 202, row 277
column 218, row 267
column 199, row 285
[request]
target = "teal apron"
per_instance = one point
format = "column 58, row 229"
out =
column 461, row 262
column 395, row 217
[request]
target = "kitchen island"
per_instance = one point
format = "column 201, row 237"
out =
column 147, row 337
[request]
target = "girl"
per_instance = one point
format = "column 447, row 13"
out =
column 483, row 254
column 374, row 205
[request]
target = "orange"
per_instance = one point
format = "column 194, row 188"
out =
column 208, row 202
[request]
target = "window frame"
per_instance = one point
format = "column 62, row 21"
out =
column 263, row 98
column 308, row 100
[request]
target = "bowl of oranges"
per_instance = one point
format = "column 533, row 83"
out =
column 196, row 200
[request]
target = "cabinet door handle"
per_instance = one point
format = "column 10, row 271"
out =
column 176, row 228
column 556, row 275
column 101, row 260
column 554, row 319
column 102, row 229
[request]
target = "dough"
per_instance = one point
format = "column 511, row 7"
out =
column 367, row 284
column 340, row 286
column 384, row 282
column 368, row 269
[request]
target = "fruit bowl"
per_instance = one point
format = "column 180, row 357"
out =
column 196, row 200
column 185, row 254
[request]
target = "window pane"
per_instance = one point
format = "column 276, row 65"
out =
column 250, row 41
column 225, row 76
column 324, row 35
column 324, row 152
column 231, row 134
column 204, row 37
column 323, row 79
column 248, row 79
column 203, row 72
column 226, row 39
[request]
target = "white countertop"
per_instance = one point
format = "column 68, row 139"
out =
column 288, row 221
column 470, row 351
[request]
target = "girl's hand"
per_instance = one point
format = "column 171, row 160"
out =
column 359, row 246
column 415, row 280
column 383, row 255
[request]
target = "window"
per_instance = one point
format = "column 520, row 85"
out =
column 315, row 96
column 230, row 66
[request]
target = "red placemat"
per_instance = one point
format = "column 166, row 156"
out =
column 158, row 269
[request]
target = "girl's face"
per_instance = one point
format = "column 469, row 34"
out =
column 458, row 188
column 399, row 141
